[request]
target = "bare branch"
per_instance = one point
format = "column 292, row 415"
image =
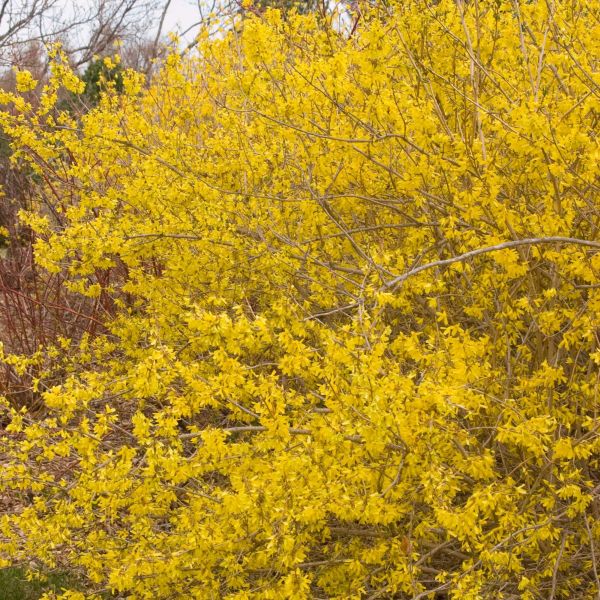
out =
column 503, row 246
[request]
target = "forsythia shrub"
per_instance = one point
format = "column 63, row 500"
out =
column 356, row 351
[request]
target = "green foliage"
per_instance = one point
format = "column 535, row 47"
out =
column 100, row 75
column 15, row 585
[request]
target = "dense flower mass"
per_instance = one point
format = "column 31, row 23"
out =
column 351, row 346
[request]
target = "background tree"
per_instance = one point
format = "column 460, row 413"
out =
column 86, row 29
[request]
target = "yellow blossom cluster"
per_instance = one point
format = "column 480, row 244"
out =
column 355, row 345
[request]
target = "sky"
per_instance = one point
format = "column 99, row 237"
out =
column 181, row 14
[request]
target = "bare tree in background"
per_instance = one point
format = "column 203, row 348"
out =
column 86, row 28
